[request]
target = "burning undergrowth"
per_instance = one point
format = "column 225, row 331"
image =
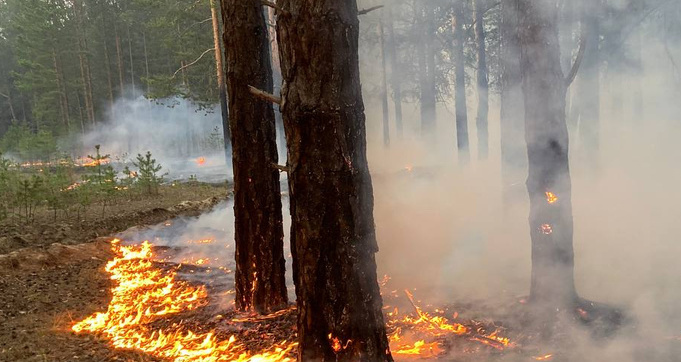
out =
column 172, row 298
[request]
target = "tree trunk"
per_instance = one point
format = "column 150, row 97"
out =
column 132, row 65
column 63, row 105
column 483, row 82
column 146, row 58
column 384, row 89
column 513, row 150
column 423, row 49
column 395, row 76
column 84, row 63
column 119, row 60
column 221, row 83
column 546, row 134
column 109, row 78
column 460, row 84
column 588, row 88
column 332, row 233
column 259, row 232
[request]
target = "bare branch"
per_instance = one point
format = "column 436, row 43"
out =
column 578, row 61
column 281, row 168
column 274, row 6
column 264, row 95
column 192, row 63
column 365, row 11
column 4, row 95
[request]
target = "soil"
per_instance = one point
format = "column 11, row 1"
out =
column 52, row 274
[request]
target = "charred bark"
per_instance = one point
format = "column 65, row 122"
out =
column 546, row 134
column 462, row 143
column 513, row 150
column 332, row 234
column 259, row 232
column 483, row 82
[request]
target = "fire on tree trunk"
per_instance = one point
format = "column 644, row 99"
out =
column 260, row 265
column 332, row 234
column 546, row 134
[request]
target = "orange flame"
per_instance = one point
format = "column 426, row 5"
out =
column 551, row 198
column 201, row 161
column 545, row 357
column 141, row 294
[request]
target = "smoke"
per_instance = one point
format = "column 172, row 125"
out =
column 185, row 137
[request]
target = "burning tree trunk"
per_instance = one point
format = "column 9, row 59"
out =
column 259, row 233
column 483, row 82
column 460, row 96
column 546, row 134
column 332, row 233
column 513, row 151
column 221, row 81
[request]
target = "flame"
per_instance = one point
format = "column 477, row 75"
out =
column 551, row 198
column 202, row 241
column 546, row 229
column 141, row 294
column 89, row 162
column 545, row 357
column 420, row 348
column 201, row 161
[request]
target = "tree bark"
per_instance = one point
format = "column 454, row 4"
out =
column 384, row 89
column 395, row 80
column 63, row 103
column 546, row 134
column 119, row 60
column 462, row 143
column 84, row 63
column 483, row 82
column 146, row 58
column 221, row 83
column 332, row 233
column 259, row 232
column 512, row 118
column 132, row 64
column 109, row 78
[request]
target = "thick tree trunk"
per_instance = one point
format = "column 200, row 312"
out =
column 259, row 232
column 423, row 48
column 222, row 87
column 395, row 76
column 483, row 82
column 462, row 143
column 384, row 89
column 513, row 150
column 546, row 134
column 332, row 233
column 588, row 89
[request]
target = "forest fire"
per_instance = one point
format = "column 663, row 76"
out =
column 89, row 162
column 141, row 294
column 551, row 198
column 201, row 161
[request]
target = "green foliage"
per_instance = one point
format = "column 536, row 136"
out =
column 148, row 178
column 28, row 145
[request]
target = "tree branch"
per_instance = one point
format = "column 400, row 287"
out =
column 192, row 63
column 281, row 168
column 368, row 10
column 4, row 95
column 578, row 61
column 274, row 6
column 264, row 95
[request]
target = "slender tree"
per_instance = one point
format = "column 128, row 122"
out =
column 222, row 87
column 260, row 263
column 384, row 88
column 424, row 48
column 332, row 233
column 395, row 76
column 512, row 118
column 483, row 81
column 460, row 83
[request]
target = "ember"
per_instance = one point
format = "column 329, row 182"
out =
column 546, row 229
column 201, row 161
column 545, row 357
column 551, row 198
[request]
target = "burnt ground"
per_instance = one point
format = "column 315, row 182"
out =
column 52, row 274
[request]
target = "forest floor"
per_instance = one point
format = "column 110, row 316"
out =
column 52, row 273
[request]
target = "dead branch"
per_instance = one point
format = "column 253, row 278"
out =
column 281, row 168
column 274, row 6
column 264, row 95
column 4, row 95
column 578, row 61
column 368, row 10
column 192, row 63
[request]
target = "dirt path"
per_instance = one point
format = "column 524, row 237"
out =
column 46, row 286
